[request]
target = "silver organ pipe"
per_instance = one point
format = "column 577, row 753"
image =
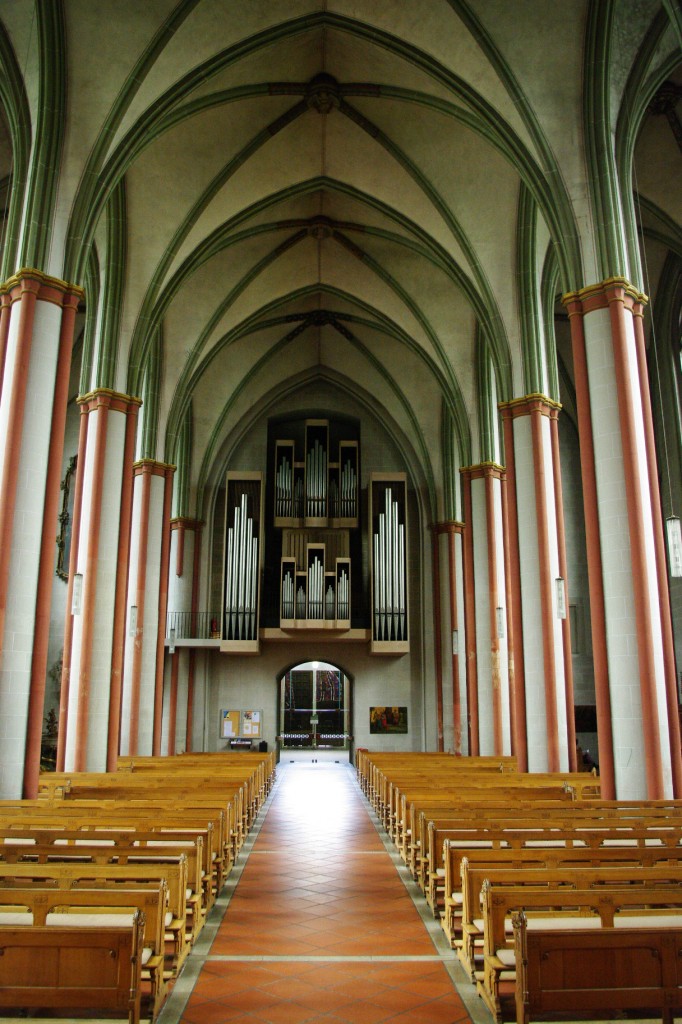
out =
column 342, row 596
column 300, row 602
column 348, row 490
column 285, row 489
column 316, row 481
column 298, row 498
column 316, row 588
column 241, row 585
column 389, row 574
column 288, row 595
column 329, row 602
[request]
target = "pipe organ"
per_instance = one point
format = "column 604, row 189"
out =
column 316, row 596
column 242, row 562
column 302, row 561
column 388, row 547
column 316, row 486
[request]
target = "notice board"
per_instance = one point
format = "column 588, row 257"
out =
column 246, row 722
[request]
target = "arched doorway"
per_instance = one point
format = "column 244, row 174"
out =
column 315, row 709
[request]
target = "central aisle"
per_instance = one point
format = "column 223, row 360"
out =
column 319, row 924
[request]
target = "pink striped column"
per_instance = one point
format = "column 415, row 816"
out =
column 149, row 552
column 92, row 641
column 573, row 304
column 635, row 644
column 36, row 329
column 36, row 709
column 545, row 709
column 182, row 597
column 485, row 519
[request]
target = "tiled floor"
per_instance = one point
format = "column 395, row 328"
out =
column 319, row 923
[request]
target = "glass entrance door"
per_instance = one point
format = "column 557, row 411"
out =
column 314, row 707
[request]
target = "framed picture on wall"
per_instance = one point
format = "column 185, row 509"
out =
column 387, row 720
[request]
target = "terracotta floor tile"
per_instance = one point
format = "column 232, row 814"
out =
column 319, row 883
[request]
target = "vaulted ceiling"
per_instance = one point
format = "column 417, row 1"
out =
column 262, row 195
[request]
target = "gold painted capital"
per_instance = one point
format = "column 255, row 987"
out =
column 153, row 467
column 596, row 295
column 49, row 289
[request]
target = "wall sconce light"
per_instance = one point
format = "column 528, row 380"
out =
column 132, row 620
column 672, row 526
column 499, row 616
column 77, row 593
column 171, row 641
column 560, row 598
column 455, row 641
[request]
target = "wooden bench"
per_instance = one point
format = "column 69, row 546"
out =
column 591, row 972
column 545, row 857
column 70, row 970
column 568, row 909
column 470, row 945
column 96, row 908
column 125, row 829
column 426, row 858
column 519, row 831
column 179, row 926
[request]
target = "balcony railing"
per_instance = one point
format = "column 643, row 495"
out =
column 200, row 626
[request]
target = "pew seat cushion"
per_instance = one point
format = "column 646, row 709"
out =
column 78, row 920
column 15, row 918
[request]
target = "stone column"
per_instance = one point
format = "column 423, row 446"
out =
column 182, row 617
column 487, row 590
column 36, row 334
column 142, row 702
column 449, row 609
column 93, row 634
column 544, row 711
column 632, row 675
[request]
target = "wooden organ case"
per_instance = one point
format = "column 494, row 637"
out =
column 388, row 554
column 317, row 502
column 293, row 550
column 242, row 563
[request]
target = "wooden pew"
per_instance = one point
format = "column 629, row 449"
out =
column 173, row 821
column 551, row 827
column 591, row 972
column 470, row 946
column 180, row 929
column 432, row 824
column 96, row 908
column 110, row 852
column 200, row 797
column 67, row 970
column 654, row 908
column 532, row 857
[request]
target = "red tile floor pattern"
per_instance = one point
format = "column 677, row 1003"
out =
column 318, row 904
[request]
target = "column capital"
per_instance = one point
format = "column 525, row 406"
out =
column 153, row 468
column 528, row 404
column 447, row 526
column 600, row 295
column 105, row 398
column 482, row 470
column 45, row 287
column 186, row 523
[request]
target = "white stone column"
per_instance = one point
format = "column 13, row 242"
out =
column 142, row 707
column 483, row 511
column 31, row 404
column 92, row 639
column 547, row 679
column 182, row 601
column 645, row 762
column 449, row 606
